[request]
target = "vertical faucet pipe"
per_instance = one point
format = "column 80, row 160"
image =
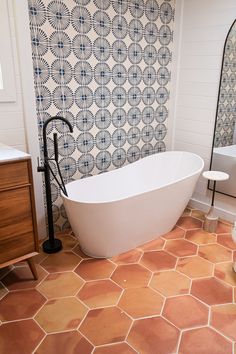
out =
column 51, row 245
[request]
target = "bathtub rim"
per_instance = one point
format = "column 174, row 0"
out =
column 225, row 151
column 147, row 191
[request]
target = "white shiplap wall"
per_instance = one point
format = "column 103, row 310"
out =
column 18, row 126
column 205, row 24
column 12, row 127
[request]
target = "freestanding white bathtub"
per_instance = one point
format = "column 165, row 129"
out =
column 116, row 211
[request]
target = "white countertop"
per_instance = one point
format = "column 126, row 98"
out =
column 7, row 153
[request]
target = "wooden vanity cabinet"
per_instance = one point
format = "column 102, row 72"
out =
column 18, row 230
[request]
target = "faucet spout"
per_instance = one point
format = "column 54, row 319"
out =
column 45, row 150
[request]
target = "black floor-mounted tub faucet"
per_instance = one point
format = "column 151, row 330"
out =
column 52, row 245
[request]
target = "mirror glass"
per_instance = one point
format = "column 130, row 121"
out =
column 223, row 156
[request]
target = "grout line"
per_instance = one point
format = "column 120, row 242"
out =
column 209, row 316
column 171, row 323
column 118, row 300
column 130, row 345
column 128, row 331
column 221, row 333
column 4, row 288
column 199, row 300
column 84, row 336
column 36, row 348
column 163, row 305
column 179, row 341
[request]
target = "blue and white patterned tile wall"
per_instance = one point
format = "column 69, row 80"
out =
column 104, row 65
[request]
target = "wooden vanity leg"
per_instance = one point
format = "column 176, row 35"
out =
column 32, row 268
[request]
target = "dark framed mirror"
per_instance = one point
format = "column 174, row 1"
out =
column 223, row 154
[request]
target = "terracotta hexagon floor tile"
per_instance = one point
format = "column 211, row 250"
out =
column 61, row 314
column 211, row 291
column 180, row 248
column 3, row 291
column 188, row 223
column 215, row 253
column 20, row 304
column 105, row 326
column 153, row 245
column 175, row 311
column 131, row 276
column 77, row 250
column 141, row 302
column 195, row 267
column 68, row 342
column 225, row 272
column 61, row 262
column 200, row 237
column 187, row 211
column 177, row 232
column 60, row 285
column 68, row 242
column 22, row 278
column 204, row 341
column 223, row 318
column 158, row 260
column 94, row 269
column 120, row 348
column 226, row 241
column 132, row 256
column 198, row 214
column 40, row 257
column 4, row 271
column 148, row 335
column 170, row 283
column 24, row 335
column 100, row 293
column 223, row 228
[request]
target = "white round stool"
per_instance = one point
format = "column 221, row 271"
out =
column 211, row 220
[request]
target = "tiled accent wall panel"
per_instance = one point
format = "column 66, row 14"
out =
column 104, row 65
column 226, row 114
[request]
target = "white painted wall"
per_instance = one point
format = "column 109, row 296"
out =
column 204, row 28
column 12, row 128
column 18, row 126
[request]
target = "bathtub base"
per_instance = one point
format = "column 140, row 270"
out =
column 117, row 227
column 119, row 251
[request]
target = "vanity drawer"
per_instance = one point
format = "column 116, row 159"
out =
column 16, row 228
column 13, row 174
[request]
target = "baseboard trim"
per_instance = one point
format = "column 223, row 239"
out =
column 222, row 213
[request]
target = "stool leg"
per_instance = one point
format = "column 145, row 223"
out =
column 211, row 221
column 213, row 194
column 32, row 268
